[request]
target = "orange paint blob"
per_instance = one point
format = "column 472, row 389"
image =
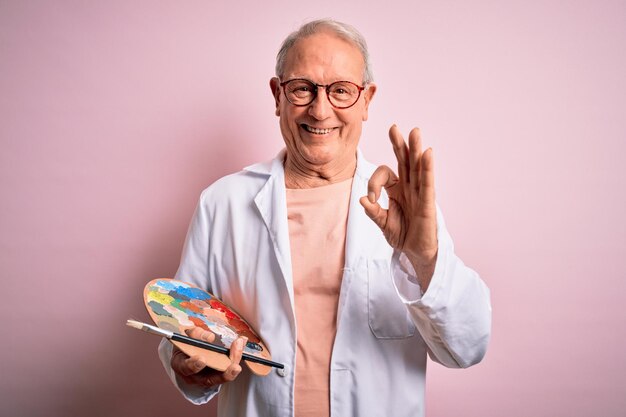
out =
column 191, row 306
column 198, row 322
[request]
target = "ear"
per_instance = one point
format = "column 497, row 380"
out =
column 368, row 95
column 275, row 87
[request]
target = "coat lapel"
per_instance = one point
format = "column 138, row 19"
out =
column 360, row 229
column 359, row 233
column 272, row 205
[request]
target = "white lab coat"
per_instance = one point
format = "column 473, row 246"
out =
column 238, row 249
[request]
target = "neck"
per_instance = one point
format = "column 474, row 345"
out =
column 299, row 176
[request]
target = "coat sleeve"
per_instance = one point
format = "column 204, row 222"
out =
column 453, row 316
column 193, row 268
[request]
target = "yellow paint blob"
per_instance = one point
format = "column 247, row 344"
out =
column 160, row 297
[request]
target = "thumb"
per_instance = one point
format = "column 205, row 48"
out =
column 375, row 212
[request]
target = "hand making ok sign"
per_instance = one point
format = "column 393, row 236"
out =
column 410, row 222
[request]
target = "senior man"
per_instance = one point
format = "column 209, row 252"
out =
column 345, row 270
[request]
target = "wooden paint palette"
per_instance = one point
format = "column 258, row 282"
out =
column 177, row 306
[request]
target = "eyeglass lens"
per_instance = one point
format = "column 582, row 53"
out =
column 341, row 94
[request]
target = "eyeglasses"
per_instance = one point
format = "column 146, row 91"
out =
column 341, row 94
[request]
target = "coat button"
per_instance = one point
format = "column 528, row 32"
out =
column 281, row 372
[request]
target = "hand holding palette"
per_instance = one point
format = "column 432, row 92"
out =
column 177, row 306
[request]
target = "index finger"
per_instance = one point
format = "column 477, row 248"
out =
column 382, row 177
column 201, row 334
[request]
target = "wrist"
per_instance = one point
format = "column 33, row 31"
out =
column 424, row 266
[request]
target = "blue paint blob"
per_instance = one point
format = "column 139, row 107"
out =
column 193, row 293
column 166, row 285
column 197, row 315
column 254, row 346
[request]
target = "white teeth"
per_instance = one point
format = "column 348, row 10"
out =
column 317, row 131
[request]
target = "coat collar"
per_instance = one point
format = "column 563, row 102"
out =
column 364, row 169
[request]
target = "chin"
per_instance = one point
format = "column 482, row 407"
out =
column 320, row 155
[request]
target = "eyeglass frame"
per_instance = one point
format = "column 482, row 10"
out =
column 326, row 88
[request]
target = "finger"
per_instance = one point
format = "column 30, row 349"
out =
column 229, row 375
column 234, row 369
column 201, row 334
column 382, row 177
column 235, row 357
column 236, row 352
column 185, row 365
column 427, row 180
column 401, row 151
column 375, row 212
column 415, row 154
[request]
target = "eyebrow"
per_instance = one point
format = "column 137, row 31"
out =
column 297, row 77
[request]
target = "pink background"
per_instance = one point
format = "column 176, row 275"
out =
column 116, row 114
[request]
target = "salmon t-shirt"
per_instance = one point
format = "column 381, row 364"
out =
column 317, row 220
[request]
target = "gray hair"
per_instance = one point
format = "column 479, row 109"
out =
column 342, row 30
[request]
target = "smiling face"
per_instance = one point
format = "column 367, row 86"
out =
column 321, row 140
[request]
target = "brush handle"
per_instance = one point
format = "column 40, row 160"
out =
column 220, row 349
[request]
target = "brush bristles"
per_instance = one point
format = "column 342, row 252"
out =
column 136, row 324
column 149, row 328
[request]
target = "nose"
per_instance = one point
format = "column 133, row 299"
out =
column 320, row 108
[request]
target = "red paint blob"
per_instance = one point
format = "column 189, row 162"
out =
column 218, row 305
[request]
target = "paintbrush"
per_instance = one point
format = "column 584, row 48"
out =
column 196, row 342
